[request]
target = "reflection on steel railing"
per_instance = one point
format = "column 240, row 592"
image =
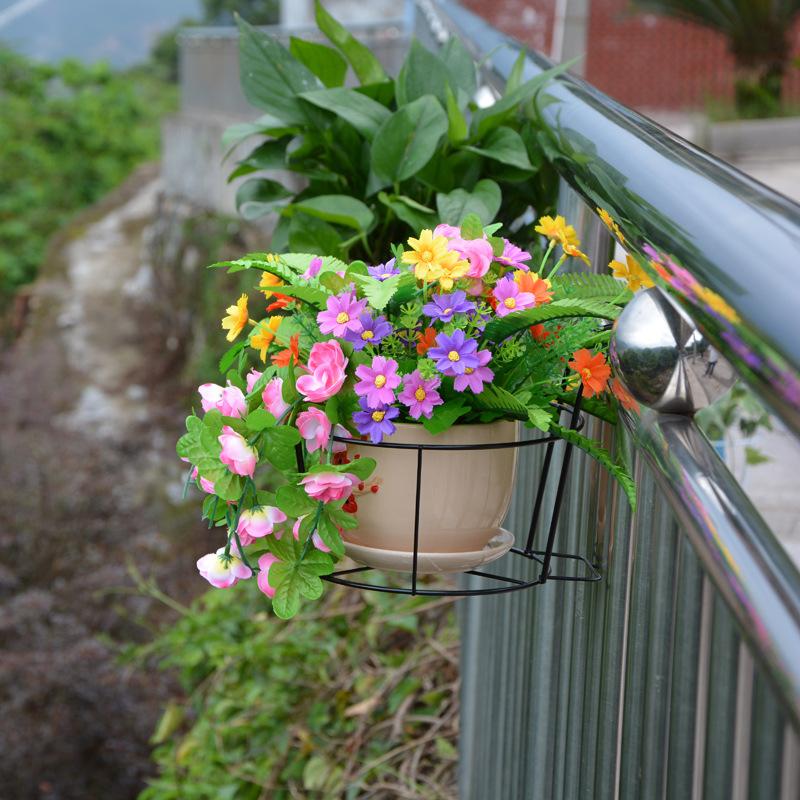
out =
column 727, row 247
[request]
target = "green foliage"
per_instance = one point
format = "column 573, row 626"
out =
column 279, row 710
column 407, row 152
column 70, row 133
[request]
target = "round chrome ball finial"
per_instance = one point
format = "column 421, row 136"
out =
column 664, row 361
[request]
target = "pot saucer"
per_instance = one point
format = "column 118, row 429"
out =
column 431, row 563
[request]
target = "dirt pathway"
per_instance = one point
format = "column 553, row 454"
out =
column 88, row 478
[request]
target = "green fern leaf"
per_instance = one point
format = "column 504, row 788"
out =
column 495, row 398
column 503, row 327
column 600, row 454
column 379, row 293
column 588, row 286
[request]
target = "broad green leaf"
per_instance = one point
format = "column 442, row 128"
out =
column 258, row 196
column 341, row 209
column 484, row 200
column 363, row 113
column 312, row 235
column 379, row 293
column 422, row 73
column 407, row 141
column 360, row 467
column 265, row 125
column 506, row 146
column 445, row 415
column 340, row 517
column 515, row 76
column 293, row 501
column 501, row 328
column 308, row 584
column 415, row 215
column 485, row 119
column 308, row 294
column 286, row 602
column 272, row 79
column 471, row 227
column 322, row 60
column 258, row 419
column 284, row 548
column 229, row 356
column 457, row 129
column 596, row 451
column 329, row 534
column 269, row 155
column 461, row 67
column 317, row 563
column 366, row 66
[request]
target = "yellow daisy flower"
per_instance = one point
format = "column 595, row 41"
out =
column 451, row 268
column 426, row 255
column 608, row 221
column 632, row 273
column 572, row 250
column 269, row 282
column 237, row 318
column 558, row 230
column 716, row 304
column 262, row 336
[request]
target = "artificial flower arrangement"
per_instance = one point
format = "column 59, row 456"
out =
column 459, row 331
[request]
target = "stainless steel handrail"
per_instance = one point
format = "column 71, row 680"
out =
column 739, row 552
column 729, row 233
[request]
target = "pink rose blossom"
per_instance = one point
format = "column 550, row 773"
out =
column 329, row 486
column 326, row 367
column 273, row 398
column 257, row 522
column 315, row 428
column 228, row 400
column 448, row 231
column 478, row 252
column 221, row 572
column 264, row 564
column 316, row 539
column 236, row 454
column 252, row 379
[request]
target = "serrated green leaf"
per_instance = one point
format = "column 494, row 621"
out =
column 502, row 327
column 286, row 602
column 379, row 293
column 496, row 398
column 597, row 452
column 279, row 447
column 293, row 501
column 589, row 286
column 329, row 534
column 317, row 563
column 282, row 548
column 540, row 418
column 259, row 419
column 360, row 467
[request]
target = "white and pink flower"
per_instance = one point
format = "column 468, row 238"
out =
column 236, row 454
column 221, row 571
column 329, row 486
column 264, row 564
column 228, row 400
column 254, row 523
column 315, row 428
column 273, row 398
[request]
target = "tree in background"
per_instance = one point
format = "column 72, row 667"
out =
column 758, row 34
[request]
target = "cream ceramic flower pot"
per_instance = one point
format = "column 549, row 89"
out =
column 464, row 493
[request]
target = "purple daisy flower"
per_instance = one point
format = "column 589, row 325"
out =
column 384, row 271
column 514, row 256
column 420, row 395
column 378, row 382
column 475, row 378
column 444, row 306
column 742, row 349
column 375, row 422
column 454, row 354
column 372, row 331
column 510, row 298
column 341, row 314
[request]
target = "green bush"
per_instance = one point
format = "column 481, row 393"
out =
column 350, row 695
column 70, row 133
column 390, row 157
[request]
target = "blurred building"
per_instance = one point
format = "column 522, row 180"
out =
column 642, row 60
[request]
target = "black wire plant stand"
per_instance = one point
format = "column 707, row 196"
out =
column 499, row 584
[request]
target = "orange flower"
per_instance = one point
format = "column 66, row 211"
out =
column 284, row 358
column 539, row 332
column 281, row 301
column 426, row 340
column 626, row 399
column 661, row 270
column 593, row 371
column 531, row 282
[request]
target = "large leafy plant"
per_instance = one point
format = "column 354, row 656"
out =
column 388, row 157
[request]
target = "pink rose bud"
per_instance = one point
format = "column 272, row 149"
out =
column 326, row 367
column 221, row 572
column 257, row 522
column 228, row 400
column 205, row 484
column 329, row 486
column 448, row 231
column 316, row 539
column 264, row 563
column 315, row 428
column 252, row 379
column 236, row 454
column 273, row 397
column 313, row 268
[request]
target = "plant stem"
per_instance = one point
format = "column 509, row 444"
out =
column 547, row 255
column 307, row 543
